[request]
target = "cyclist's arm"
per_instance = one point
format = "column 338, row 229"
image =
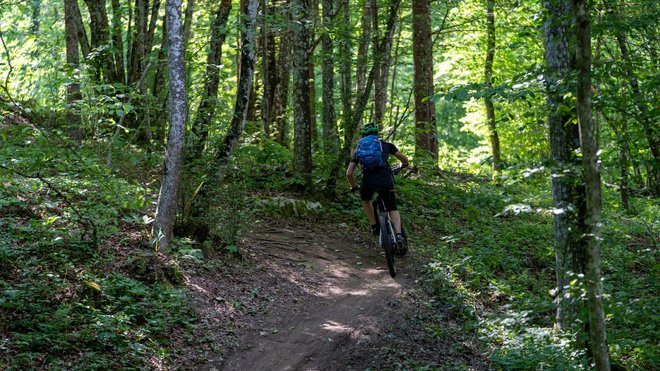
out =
column 401, row 157
column 349, row 174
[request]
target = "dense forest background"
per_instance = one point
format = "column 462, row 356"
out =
column 137, row 137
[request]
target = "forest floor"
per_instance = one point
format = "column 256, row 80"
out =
column 307, row 295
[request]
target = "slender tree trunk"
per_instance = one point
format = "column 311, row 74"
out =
column 313, row 15
column 245, row 81
column 488, row 77
column 360, row 104
column 207, row 105
column 426, row 141
column 651, row 131
column 302, row 148
column 589, row 143
column 100, row 38
column 346, row 70
column 151, row 30
column 266, row 57
column 80, row 30
column 330, row 137
column 187, row 23
column 158, row 90
column 120, row 69
column 73, row 60
column 35, row 16
column 381, row 83
column 395, row 64
column 568, row 195
column 363, row 46
column 139, row 39
column 282, row 87
column 166, row 209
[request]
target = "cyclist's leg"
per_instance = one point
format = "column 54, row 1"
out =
column 389, row 198
column 366, row 194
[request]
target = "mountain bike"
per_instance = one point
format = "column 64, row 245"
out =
column 387, row 234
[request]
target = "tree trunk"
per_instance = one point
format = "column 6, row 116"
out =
column 568, row 195
column 426, row 141
column 36, row 16
column 651, row 131
column 139, row 38
column 488, row 77
column 207, row 104
column 158, row 90
column 363, row 46
column 380, row 85
column 313, row 15
column 302, row 147
column 118, row 40
column 245, row 81
column 330, row 137
column 282, row 87
column 73, row 61
column 100, row 38
column 187, row 23
column 360, row 105
column 346, row 71
column 80, row 30
column 589, row 143
column 166, row 209
column 267, row 54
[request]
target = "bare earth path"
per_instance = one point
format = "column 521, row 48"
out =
column 319, row 299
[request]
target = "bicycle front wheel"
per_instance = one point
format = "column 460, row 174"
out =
column 386, row 242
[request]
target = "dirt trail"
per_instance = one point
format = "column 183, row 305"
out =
column 321, row 300
column 345, row 306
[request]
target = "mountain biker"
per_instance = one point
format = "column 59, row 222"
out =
column 376, row 176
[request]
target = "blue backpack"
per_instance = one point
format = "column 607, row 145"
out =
column 370, row 152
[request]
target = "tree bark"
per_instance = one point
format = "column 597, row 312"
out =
column 100, row 38
column 139, row 38
column 187, row 23
column 589, row 144
column 118, row 40
column 488, row 77
column 244, row 83
column 73, row 60
column 267, row 55
column 208, row 101
column 381, row 83
column 158, row 90
column 346, row 70
column 313, row 10
column 426, row 141
column 166, row 209
column 302, row 147
column 330, row 137
column 363, row 46
column 281, row 95
column 567, row 193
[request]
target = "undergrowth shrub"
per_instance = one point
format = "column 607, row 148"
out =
column 492, row 264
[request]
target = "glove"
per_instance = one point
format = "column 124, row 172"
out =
column 353, row 189
column 398, row 169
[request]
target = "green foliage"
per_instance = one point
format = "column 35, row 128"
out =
column 58, row 297
column 492, row 266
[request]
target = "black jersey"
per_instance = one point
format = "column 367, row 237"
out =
column 378, row 177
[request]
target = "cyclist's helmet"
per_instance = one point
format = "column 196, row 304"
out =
column 369, row 128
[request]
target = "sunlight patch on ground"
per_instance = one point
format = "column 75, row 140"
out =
column 337, row 327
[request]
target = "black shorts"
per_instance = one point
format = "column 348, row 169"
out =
column 388, row 195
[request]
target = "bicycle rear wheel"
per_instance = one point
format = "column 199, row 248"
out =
column 387, row 243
